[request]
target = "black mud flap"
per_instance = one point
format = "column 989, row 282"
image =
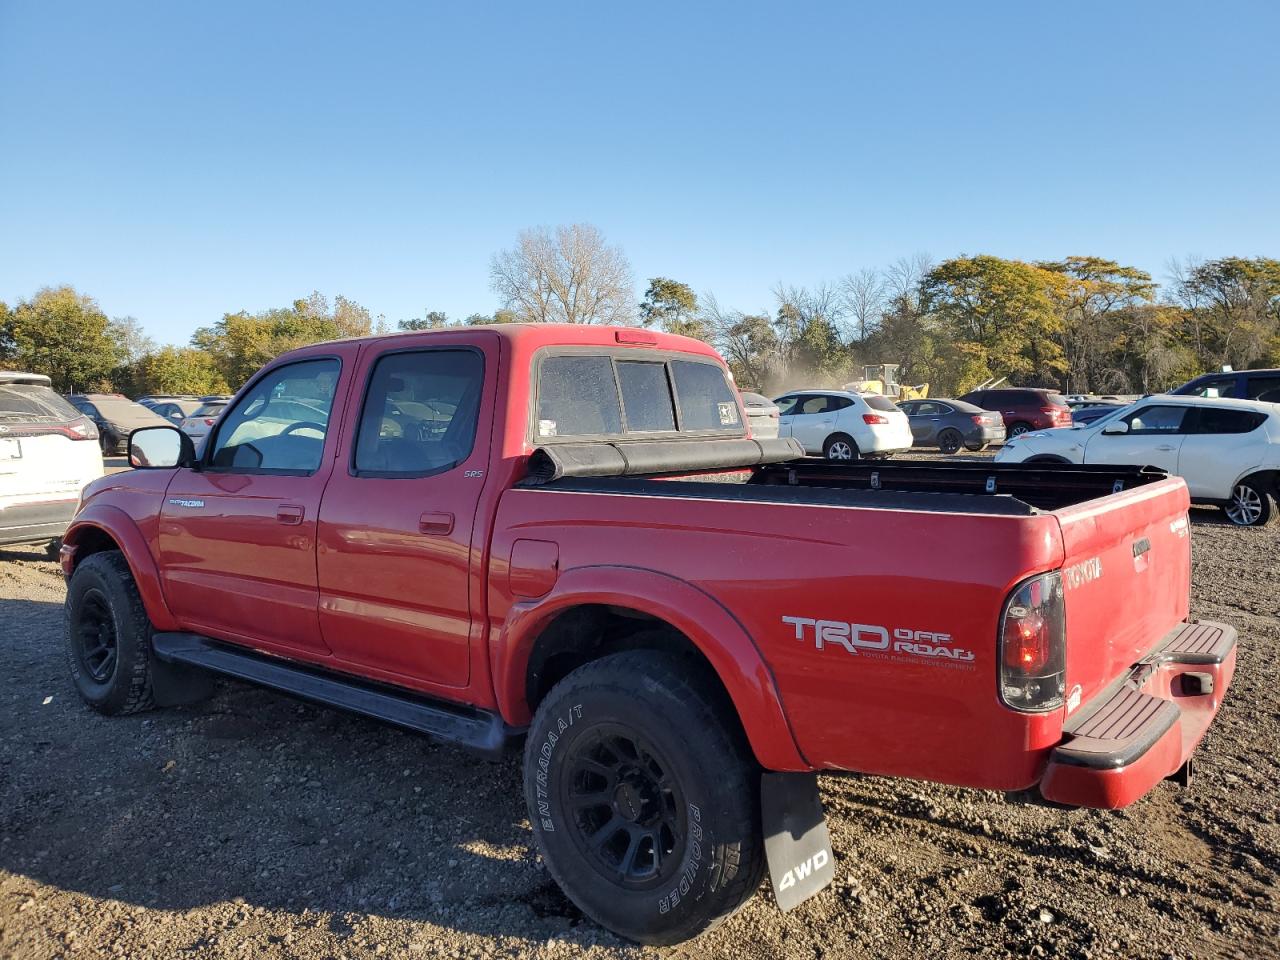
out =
column 796, row 842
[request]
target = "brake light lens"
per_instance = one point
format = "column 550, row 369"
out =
column 979, row 419
column 874, row 418
column 1033, row 649
column 210, row 421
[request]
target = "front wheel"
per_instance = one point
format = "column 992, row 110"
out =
column 1250, row 505
column 840, row 448
column 643, row 798
column 108, row 636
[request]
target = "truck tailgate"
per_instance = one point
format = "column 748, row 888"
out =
column 1126, row 579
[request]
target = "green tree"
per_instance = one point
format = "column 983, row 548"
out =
column 177, row 370
column 65, row 335
column 672, row 305
column 432, row 320
column 1232, row 309
column 1010, row 311
column 242, row 342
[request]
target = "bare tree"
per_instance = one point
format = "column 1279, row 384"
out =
column 864, row 300
column 566, row 275
column 903, row 276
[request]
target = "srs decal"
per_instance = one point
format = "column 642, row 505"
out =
column 881, row 643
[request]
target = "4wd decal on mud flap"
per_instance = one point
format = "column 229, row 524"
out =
column 881, row 643
column 544, row 765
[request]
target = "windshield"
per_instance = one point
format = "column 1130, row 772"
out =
column 33, row 403
column 1106, row 417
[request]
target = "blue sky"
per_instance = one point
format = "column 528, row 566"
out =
column 181, row 160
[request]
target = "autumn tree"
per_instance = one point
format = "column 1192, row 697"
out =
column 1010, row 311
column 1232, row 309
column 177, row 370
column 566, row 275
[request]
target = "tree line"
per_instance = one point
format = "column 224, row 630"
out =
column 1080, row 324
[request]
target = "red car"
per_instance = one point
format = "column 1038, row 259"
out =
column 564, row 537
column 1023, row 410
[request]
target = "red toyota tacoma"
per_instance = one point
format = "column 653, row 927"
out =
column 566, row 537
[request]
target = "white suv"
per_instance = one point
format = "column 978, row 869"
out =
column 840, row 425
column 48, row 452
column 1228, row 451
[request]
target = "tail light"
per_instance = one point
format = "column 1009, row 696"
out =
column 1056, row 413
column 210, row 421
column 979, row 419
column 874, row 418
column 81, row 428
column 1033, row 642
column 774, row 415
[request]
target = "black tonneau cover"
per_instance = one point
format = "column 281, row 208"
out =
column 631, row 458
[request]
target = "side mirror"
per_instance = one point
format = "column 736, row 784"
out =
column 1118, row 426
column 154, row 448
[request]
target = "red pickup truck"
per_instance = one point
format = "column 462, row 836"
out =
column 566, row 537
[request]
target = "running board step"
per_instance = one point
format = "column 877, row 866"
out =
column 479, row 730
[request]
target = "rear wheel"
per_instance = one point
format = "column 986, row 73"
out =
column 644, row 800
column 108, row 636
column 975, row 447
column 950, row 441
column 1019, row 428
column 1250, row 505
column 840, row 447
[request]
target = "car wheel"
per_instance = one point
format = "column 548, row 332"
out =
column 104, row 442
column 840, row 448
column 1019, row 428
column 1250, row 505
column 975, row 447
column 950, row 441
column 644, row 800
column 108, row 636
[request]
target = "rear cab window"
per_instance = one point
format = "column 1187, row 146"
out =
column 640, row 394
column 876, row 402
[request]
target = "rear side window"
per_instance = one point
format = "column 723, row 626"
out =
column 707, row 402
column 877, row 402
column 1260, row 388
column 646, row 396
column 33, row 403
column 419, row 414
column 1215, row 420
column 577, row 396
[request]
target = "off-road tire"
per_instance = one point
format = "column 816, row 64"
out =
column 102, row 592
column 833, row 446
column 706, row 786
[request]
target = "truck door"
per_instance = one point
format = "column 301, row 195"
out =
column 1153, row 438
column 238, row 535
column 398, row 557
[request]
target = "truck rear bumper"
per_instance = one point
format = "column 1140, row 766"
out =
column 1145, row 730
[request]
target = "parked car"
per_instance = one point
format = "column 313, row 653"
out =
column 840, row 425
column 1228, row 451
column 557, row 569
column 1023, row 409
column 198, row 424
column 1087, row 414
column 762, row 414
column 150, row 400
column 115, row 416
column 1261, row 385
column 176, row 409
column 48, row 452
column 952, row 424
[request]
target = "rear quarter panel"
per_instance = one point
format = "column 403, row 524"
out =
column 931, row 581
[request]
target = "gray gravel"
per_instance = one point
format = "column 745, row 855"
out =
column 252, row 826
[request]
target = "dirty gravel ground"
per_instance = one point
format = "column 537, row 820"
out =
column 253, row 826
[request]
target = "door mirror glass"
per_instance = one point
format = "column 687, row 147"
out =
column 1118, row 426
column 153, row 448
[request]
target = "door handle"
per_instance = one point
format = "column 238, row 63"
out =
column 1165, row 446
column 289, row 513
column 440, row 524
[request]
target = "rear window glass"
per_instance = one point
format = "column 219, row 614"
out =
column 577, row 396
column 707, row 402
column 877, row 402
column 646, row 397
column 1215, row 420
column 33, row 403
column 209, row 409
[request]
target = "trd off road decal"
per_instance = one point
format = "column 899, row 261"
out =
column 881, row 643
column 544, row 764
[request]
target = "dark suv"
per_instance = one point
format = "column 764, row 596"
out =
column 1023, row 409
column 1239, row 384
